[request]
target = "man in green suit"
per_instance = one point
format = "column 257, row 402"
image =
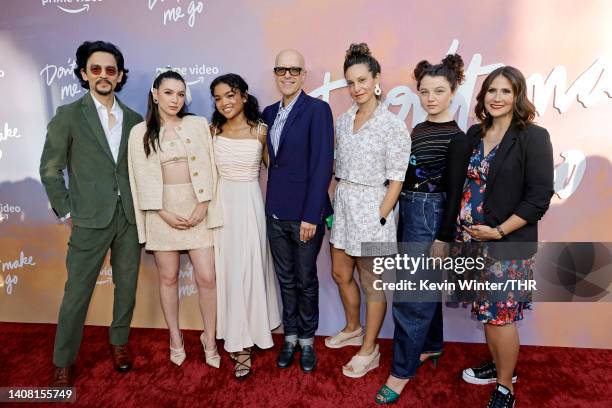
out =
column 89, row 138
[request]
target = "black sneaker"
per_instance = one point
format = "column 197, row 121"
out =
column 485, row 374
column 501, row 397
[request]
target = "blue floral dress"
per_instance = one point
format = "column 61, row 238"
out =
column 471, row 213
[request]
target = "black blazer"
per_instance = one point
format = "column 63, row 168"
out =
column 520, row 180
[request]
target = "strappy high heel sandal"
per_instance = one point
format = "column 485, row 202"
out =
column 178, row 355
column 241, row 369
column 211, row 357
column 386, row 395
column 434, row 357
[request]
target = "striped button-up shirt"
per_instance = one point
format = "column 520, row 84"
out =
column 279, row 121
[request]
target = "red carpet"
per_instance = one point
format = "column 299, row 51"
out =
column 548, row 376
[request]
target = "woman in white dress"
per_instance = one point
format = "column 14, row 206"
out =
column 247, row 306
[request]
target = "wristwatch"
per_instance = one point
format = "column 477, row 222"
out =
column 383, row 220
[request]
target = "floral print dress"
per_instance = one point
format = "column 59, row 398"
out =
column 484, row 308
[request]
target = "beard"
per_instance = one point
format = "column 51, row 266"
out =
column 104, row 92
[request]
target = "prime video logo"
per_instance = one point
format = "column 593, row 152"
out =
column 6, row 209
column 71, row 6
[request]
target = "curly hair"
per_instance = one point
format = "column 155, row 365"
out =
column 361, row 54
column 89, row 47
column 239, row 85
column 451, row 68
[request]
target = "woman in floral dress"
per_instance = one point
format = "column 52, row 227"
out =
column 507, row 191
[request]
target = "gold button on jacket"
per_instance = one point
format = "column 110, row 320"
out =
column 146, row 180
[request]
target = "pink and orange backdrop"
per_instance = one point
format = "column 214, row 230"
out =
column 564, row 50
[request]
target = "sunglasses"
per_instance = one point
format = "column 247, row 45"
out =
column 97, row 70
column 281, row 71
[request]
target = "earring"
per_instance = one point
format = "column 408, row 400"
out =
column 154, row 100
column 377, row 90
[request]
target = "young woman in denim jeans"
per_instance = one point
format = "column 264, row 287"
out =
column 424, row 216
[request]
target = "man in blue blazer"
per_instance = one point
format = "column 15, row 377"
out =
column 301, row 149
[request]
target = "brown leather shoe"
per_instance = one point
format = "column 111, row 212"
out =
column 63, row 377
column 122, row 361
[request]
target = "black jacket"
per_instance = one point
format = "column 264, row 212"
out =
column 520, row 181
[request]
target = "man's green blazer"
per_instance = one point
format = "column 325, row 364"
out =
column 76, row 141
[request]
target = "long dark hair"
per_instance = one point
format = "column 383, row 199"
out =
column 523, row 110
column 238, row 85
column 451, row 68
column 361, row 54
column 89, row 47
column 151, row 137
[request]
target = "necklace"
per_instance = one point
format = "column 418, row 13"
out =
column 420, row 183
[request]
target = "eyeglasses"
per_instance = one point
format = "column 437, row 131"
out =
column 97, row 70
column 281, row 71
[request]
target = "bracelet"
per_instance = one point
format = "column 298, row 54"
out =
column 501, row 231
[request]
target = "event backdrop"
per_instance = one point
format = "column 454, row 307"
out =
column 565, row 50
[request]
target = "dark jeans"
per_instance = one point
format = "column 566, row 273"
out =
column 418, row 325
column 295, row 263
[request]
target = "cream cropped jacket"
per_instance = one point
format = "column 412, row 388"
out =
column 146, row 180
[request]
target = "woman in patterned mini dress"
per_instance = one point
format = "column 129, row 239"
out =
column 372, row 153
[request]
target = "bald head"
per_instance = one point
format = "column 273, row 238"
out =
column 289, row 84
column 289, row 58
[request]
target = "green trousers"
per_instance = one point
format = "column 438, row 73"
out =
column 87, row 249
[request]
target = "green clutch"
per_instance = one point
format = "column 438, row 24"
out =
column 329, row 221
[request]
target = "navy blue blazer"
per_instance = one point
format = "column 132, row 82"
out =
column 300, row 171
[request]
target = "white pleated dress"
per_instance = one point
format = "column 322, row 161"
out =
column 247, row 303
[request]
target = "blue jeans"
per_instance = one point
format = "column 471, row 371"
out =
column 418, row 325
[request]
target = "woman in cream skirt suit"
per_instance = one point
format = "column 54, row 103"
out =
column 173, row 180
